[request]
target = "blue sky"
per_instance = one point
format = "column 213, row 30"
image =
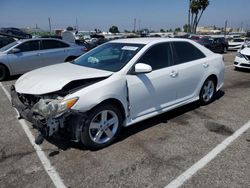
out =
column 152, row 14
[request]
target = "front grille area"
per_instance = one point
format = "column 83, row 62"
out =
column 28, row 100
column 245, row 65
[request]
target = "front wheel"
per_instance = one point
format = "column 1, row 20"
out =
column 207, row 91
column 102, row 126
column 4, row 73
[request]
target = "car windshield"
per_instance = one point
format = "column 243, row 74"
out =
column 8, row 46
column 110, row 56
column 238, row 40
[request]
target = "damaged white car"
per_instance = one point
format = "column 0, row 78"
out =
column 117, row 84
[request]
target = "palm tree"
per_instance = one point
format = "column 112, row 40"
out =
column 196, row 7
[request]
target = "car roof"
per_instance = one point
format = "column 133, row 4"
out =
column 147, row 40
column 33, row 39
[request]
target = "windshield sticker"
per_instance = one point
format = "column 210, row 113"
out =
column 132, row 48
column 93, row 60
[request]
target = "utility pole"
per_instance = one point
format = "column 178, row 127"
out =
column 189, row 26
column 49, row 26
column 77, row 24
column 134, row 25
column 225, row 29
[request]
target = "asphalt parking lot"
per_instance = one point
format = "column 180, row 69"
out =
column 149, row 154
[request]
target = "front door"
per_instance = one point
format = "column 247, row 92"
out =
column 153, row 91
column 27, row 59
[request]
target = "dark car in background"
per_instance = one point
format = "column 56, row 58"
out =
column 4, row 40
column 215, row 44
column 203, row 40
column 15, row 32
column 219, row 44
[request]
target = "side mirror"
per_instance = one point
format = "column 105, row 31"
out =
column 15, row 50
column 142, row 68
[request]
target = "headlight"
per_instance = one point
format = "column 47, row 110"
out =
column 53, row 108
column 238, row 54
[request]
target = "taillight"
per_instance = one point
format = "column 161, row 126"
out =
column 84, row 49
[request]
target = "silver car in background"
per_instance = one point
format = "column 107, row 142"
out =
column 25, row 55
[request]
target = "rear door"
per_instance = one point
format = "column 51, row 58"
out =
column 53, row 51
column 191, row 65
column 27, row 59
column 150, row 92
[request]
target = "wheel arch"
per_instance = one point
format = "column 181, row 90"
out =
column 116, row 103
column 8, row 68
column 214, row 78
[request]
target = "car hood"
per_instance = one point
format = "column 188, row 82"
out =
column 245, row 51
column 235, row 43
column 54, row 78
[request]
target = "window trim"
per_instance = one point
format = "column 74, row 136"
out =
column 39, row 46
column 131, row 71
column 176, row 56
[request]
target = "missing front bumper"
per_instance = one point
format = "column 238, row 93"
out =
column 70, row 123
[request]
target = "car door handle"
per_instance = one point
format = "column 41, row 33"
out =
column 174, row 74
column 205, row 65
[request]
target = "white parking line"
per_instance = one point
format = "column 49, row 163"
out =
column 51, row 171
column 229, row 66
column 206, row 159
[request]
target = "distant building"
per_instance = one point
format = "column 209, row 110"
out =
column 212, row 30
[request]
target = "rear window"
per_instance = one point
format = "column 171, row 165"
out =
column 52, row 44
column 185, row 52
column 195, row 38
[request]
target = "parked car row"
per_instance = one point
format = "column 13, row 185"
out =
column 15, row 32
column 215, row 44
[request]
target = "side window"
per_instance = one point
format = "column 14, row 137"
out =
column 185, row 52
column 29, row 46
column 51, row 44
column 158, row 56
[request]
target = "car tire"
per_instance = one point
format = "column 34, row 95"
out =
column 102, row 126
column 225, row 50
column 207, row 91
column 4, row 73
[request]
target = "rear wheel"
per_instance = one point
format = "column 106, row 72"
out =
column 207, row 91
column 102, row 126
column 4, row 73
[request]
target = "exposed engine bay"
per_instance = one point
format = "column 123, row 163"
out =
column 50, row 113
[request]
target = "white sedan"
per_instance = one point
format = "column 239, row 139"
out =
column 235, row 44
column 242, row 59
column 25, row 55
column 117, row 84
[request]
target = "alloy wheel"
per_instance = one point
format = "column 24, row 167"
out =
column 103, row 126
column 208, row 91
